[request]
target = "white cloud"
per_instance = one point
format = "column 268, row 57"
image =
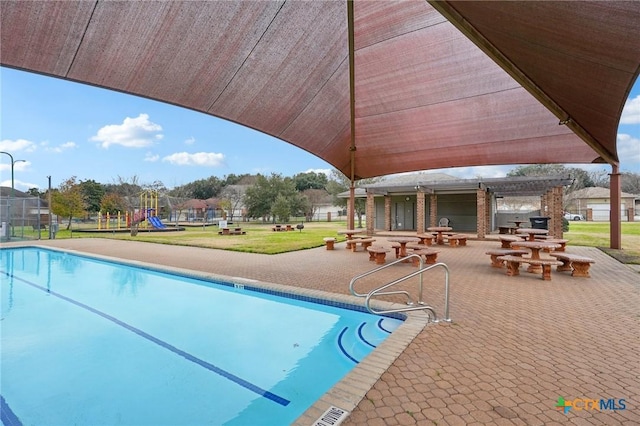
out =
column 631, row 111
column 136, row 132
column 18, row 166
column 151, row 158
column 60, row 148
column 13, row 146
column 211, row 159
column 628, row 149
column 190, row 141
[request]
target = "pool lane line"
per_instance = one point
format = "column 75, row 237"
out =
column 7, row 416
column 230, row 376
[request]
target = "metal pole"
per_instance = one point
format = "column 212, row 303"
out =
column 49, row 202
column 9, row 201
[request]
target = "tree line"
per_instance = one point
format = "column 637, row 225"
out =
column 269, row 198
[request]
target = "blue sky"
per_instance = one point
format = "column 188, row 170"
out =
column 63, row 129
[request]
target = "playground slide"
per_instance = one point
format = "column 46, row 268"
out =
column 156, row 222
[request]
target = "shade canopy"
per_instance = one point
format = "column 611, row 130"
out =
column 418, row 85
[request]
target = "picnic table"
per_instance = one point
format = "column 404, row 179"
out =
column 532, row 232
column 403, row 241
column 350, row 232
column 439, row 230
column 535, row 247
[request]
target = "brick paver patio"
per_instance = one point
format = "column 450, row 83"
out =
column 515, row 346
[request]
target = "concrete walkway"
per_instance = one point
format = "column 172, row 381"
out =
column 515, row 346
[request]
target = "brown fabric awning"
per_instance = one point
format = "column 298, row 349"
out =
column 430, row 86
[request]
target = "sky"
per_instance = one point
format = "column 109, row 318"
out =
column 64, row 129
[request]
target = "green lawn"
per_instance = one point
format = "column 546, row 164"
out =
column 259, row 238
column 596, row 234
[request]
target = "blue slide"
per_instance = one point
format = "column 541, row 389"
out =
column 156, row 222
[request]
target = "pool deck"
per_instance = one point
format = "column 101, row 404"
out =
column 515, row 346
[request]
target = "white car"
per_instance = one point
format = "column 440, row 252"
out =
column 573, row 216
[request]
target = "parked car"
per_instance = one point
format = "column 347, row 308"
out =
column 573, row 216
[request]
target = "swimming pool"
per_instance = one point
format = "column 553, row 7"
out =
column 85, row 341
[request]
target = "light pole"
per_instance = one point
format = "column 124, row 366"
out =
column 10, row 222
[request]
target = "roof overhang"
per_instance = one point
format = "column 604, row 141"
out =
column 432, row 84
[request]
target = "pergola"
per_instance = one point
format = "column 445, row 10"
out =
column 371, row 87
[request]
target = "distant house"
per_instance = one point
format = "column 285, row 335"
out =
column 594, row 204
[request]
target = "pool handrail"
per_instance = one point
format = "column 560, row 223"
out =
column 411, row 305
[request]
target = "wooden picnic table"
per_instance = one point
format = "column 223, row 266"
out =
column 535, row 247
column 532, row 232
column 439, row 230
column 403, row 241
column 350, row 232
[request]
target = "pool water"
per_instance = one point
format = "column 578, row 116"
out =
column 90, row 342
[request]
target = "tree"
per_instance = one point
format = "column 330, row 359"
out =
column 314, row 198
column 630, row 182
column 581, row 178
column 281, row 208
column 234, row 195
column 68, row 200
column 112, row 203
column 310, row 180
column 92, row 193
column 34, row 192
column 339, row 183
column 259, row 198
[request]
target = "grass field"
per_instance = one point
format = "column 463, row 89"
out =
column 596, row 234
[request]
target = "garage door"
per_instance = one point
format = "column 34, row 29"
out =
column 600, row 212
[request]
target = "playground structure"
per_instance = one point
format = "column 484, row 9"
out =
column 145, row 216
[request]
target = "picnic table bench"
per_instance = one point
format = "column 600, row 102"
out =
column 378, row 254
column 430, row 256
column 426, row 239
column 364, row 242
column 503, row 252
column 506, row 240
column 42, row 226
column 329, row 242
column 506, row 230
column 578, row 265
column 513, row 265
column 456, row 240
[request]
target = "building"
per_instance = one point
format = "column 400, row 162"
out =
column 595, row 204
column 414, row 202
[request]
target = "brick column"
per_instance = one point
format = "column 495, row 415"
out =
column 481, row 206
column 420, row 213
column 433, row 210
column 370, row 212
column 557, row 212
column 387, row 213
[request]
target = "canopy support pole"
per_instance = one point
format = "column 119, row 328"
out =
column 352, row 110
column 615, row 195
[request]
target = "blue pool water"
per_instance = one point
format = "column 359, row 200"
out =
column 90, row 342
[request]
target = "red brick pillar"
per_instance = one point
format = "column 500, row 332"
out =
column 387, row 213
column 370, row 212
column 481, row 212
column 420, row 213
column 433, row 210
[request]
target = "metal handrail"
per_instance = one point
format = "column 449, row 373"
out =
column 379, row 290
